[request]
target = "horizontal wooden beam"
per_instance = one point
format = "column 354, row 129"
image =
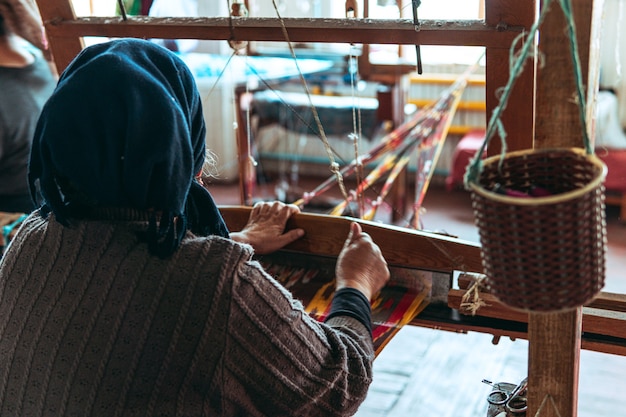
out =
column 401, row 247
column 362, row 31
column 605, row 316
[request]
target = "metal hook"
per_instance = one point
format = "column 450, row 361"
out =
column 238, row 9
column 352, row 9
column 416, row 4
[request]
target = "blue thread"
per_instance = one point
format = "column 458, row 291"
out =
column 6, row 230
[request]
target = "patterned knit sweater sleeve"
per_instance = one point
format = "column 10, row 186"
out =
column 92, row 325
column 278, row 361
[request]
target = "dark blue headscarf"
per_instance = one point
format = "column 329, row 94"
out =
column 124, row 129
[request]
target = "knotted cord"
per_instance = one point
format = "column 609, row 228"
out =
column 516, row 63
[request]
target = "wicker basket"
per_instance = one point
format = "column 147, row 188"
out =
column 547, row 253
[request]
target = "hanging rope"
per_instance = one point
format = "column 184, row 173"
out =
column 566, row 5
column 356, row 127
column 249, row 123
column 219, row 76
column 517, row 63
column 237, row 10
column 334, row 166
column 471, row 300
column 290, row 107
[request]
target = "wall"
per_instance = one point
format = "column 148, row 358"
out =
column 613, row 52
column 218, row 99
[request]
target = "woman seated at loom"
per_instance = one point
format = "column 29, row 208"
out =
column 123, row 293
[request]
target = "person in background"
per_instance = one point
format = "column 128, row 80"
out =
column 125, row 294
column 134, row 7
column 26, row 82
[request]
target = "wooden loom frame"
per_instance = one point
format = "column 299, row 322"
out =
column 553, row 362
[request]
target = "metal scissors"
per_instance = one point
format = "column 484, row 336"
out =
column 513, row 401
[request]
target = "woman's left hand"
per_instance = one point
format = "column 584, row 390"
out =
column 265, row 230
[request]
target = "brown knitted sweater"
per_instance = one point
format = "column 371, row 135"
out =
column 92, row 325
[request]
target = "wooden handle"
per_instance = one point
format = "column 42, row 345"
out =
column 325, row 235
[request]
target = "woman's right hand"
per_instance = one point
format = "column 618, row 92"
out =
column 361, row 264
column 265, row 230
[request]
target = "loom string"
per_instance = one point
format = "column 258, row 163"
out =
column 219, row 76
column 334, row 166
column 249, row 123
column 356, row 118
column 214, row 85
column 236, row 46
column 396, row 141
column 356, row 129
column 495, row 123
column 305, row 123
column 566, row 5
column 265, row 83
column 471, row 299
column 290, row 107
column 339, row 173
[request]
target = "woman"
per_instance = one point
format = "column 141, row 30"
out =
column 124, row 294
column 26, row 82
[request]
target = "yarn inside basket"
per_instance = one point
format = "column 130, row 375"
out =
column 542, row 253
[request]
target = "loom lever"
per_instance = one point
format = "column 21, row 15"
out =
column 416, row 4
column 122, row 8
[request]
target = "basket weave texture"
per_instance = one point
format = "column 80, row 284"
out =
column 542, row 254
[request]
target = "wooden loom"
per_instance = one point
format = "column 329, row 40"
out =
column 530, row 122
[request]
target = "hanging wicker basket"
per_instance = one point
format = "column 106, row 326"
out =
column 542, row 253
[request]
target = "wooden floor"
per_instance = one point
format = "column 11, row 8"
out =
column 435, row 373
column 431, row 373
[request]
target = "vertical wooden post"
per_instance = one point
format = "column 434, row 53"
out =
column 553, row 363
column 558, row 121
column 518, row 118
column 63, row 49
column 555, row 338
column 247, row 171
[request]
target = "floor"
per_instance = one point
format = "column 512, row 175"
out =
column 431, row 373
column 434, row 373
